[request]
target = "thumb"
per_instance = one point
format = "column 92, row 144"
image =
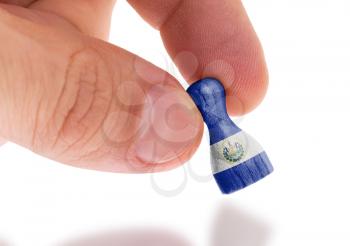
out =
column 87, row 103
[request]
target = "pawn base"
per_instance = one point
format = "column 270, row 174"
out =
column 244, row 174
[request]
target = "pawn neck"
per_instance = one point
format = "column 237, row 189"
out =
column 210, row 98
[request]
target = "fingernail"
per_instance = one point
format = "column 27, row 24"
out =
column 173, row 125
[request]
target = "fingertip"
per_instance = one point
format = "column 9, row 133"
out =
column 248, row 91
column 175, row 160
column 174, row 129
column 217, row 40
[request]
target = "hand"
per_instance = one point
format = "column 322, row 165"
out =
column 67, row 94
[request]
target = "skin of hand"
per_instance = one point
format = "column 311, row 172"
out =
column 69, row 95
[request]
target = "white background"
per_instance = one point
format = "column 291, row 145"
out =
column 303, row 125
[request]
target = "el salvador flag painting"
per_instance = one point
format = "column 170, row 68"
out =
column 237, row 159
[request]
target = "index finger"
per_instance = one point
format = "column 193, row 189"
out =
column 212, row 39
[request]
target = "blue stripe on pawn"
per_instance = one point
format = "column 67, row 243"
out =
column 210, row 98
column 244, row 174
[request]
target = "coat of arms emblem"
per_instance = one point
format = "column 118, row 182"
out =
column 233, row 152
